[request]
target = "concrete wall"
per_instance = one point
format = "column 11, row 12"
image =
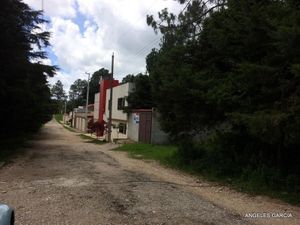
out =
column 66, row 118
column 96, row 106
column 79, row 120
column 80, row 123
column 115, row 134
column 133, row 127
column 157, row 135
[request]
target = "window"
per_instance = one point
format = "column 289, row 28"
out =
column 122, row 128
column 121, row 103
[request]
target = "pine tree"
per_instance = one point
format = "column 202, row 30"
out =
column 25, row 95
column 233, row 71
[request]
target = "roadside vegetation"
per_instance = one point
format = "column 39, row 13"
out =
column 250, row 182
column 58, row 117
column 161, row 153
column 92, row 140
column 226, row 82
column 24, row 91
column 11, row 147
column 71, row 129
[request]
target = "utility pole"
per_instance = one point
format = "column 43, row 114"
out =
column 111, row 98
column 87, row 101
column 43, row 12
column 65, row 106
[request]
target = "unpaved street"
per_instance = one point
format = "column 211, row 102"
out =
column 63, row 180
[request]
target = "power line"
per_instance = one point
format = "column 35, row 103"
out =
column 147, row 45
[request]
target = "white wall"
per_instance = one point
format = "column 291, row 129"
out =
column 96, row 106
column 120, row 91
column 133, row 127
column 116, row 135
column 118, row 116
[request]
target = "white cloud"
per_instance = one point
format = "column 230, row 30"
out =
column 130, row 12
column 78, row 52
column 56, row 8
column 104, row 26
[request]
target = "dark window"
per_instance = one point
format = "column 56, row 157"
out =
column 121, row 103
column 122, row 128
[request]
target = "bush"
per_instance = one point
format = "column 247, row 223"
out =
column 97, row 127
column 222, row 157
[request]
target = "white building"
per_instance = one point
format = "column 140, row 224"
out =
column 96, row 106
column 140, row 125
column 119, row 117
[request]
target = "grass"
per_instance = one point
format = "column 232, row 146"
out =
column 168, row 156
column 161, row 153
column 92, row 140
column 253, row 188
column 58, row 117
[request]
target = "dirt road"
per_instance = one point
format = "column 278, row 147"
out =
column 62, row 180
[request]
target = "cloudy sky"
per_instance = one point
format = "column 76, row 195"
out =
column 86, row 32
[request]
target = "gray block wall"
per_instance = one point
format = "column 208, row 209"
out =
column 157, row 135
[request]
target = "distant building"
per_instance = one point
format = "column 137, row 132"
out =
column 119, row 117
column 140, row 125
column 143, row 126
column 79, row 117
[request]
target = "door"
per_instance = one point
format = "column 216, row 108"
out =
column 145, row 127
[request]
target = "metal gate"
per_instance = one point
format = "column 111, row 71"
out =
column 145, row 127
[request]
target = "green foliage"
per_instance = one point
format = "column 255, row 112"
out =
column 57, row 91
column 94, row 83
column 24, row 93
column 140, row 97
column 226, row 83
column 128, row 78
column 77, row 94
column 161, row 153
column 58, row 117
column 58, row 97
column 10, row 147
column 78, row 90
column 210, row 164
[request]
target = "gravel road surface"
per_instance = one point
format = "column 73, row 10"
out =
column 63, row 180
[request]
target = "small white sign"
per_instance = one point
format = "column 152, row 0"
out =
column 136, row 118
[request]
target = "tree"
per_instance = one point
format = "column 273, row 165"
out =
column 25, row 95
column 128, row 78
column 231, row 68
column 57, row 91
column 140, row 97
column 58, row 96
column 77, row 93
column 94, row 82
column 174, row 72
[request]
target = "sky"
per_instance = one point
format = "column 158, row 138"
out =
column 85, row 33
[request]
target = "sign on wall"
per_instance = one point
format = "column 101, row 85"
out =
column 136, row 118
